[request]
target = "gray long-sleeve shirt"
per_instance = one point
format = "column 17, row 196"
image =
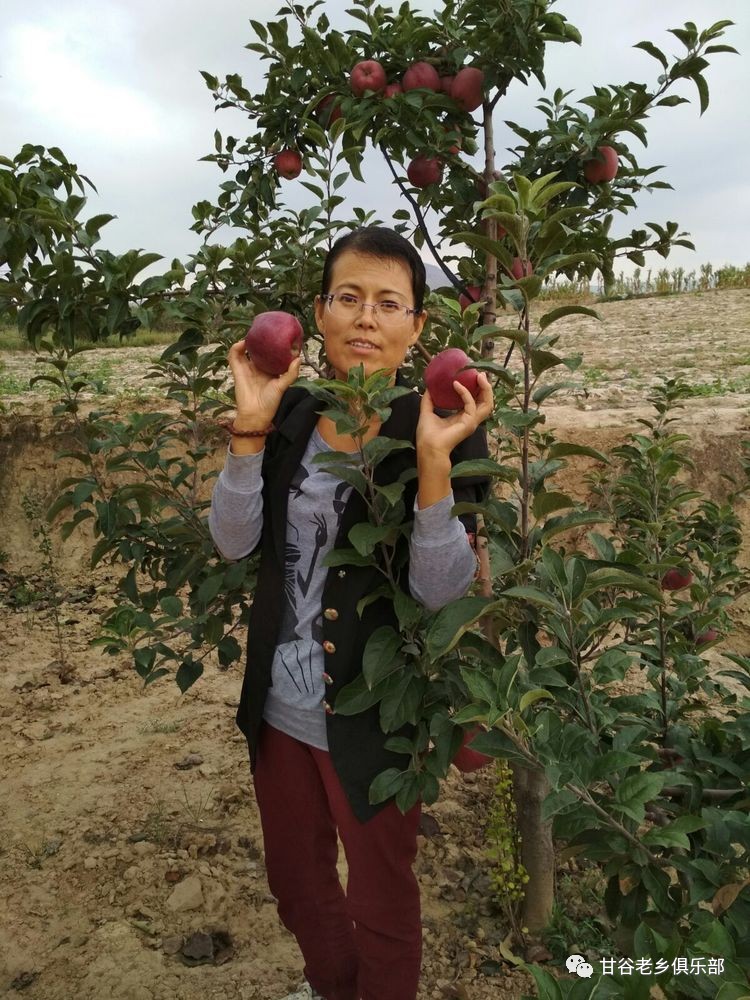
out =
column 442, row 566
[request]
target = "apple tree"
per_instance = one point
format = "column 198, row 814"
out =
column 531, row 654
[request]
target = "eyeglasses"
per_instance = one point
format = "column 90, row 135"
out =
column 345, row 306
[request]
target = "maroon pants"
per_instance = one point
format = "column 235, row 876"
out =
column 365, row 944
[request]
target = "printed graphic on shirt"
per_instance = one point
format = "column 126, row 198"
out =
column 310, row 534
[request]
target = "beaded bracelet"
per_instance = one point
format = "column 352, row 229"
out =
column 229, row 426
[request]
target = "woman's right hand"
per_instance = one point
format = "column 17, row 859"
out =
column 256, row 394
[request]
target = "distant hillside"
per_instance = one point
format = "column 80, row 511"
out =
column 435, row 277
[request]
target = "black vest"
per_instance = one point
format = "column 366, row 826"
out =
column 356, row 742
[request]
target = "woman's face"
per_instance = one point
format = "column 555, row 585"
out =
column 371, row 279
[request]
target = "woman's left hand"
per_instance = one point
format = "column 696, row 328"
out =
column 439, row 435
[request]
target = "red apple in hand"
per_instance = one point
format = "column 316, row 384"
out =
column 421, row 75
column 273, row 341
column 288, row 163
column 466, row 89
column 424, row 170
column 598, row 170
column 475, row 294
column 440, row 374
column 676, row 579
column 368, row 75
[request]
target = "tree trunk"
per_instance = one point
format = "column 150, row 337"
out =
column 537, row 852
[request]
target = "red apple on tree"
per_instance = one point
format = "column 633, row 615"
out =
column 421, row 75
column 710, row 635
column 368, row 75
column 676, row 579
column 468, row 760
column 273, row 341
column 440, row 374
column 392, row 90
column 466, row 89
column 328, row 111
column 288, row 163
column 521, row 268
column 474, row 295
column 602, row 168
column 424, row 170
column 456, row 147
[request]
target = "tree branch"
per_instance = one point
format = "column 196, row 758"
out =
column 456, row 282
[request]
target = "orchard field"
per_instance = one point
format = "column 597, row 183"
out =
column 128, row 818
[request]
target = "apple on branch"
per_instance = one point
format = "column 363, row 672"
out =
column 710, row 635
column 368, row 75
column 273, row 341
column 676, row 579
column 521, row 268
column 467, row 88
column 421, row 75
column 328, row 111
column 392, row 90
column 603, row 168
column 424, row 170
column 440, row 374
column 288, row 163
column 473, row 294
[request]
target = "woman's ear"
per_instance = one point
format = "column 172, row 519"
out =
column 319, row 308
column 420, row 321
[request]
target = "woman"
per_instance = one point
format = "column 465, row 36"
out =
column 312, row 768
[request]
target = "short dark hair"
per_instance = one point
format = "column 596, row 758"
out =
column 379, row 241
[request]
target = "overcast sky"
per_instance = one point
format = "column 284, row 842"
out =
column 116, row 85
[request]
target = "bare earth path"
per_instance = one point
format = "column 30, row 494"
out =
column 128, row 819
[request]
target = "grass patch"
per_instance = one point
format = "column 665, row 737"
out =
column 159, row 726
column 719, row 387
column 11, row 340
column 577, row 923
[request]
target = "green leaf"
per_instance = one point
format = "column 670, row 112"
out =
column 541, row 361
column 381, row 655
column 561, row 449
column 531, row 696
column 408, row 610
column 614, row 760
column 365, row 537
column 346, row 557
column 386, row 785
column 608, row 577
column 209, row 588
column 489, row 246
column 554, row 314
column 547, row 502
column 171, row 605
column 568, row 521
column 452, row 621
column 532, row 595
column 632, row 794
column 480, row 467
column 652, row 51
column 702, row 86
column 188, row 673
column 376, row 449
column 357, row 697
column 547, row 986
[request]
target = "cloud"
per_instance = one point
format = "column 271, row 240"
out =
column 57, row 75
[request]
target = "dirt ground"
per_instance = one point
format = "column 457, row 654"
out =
column 128, row 818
